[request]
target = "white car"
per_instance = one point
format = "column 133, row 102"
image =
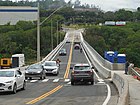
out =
column 51, row 67
column 12, row 80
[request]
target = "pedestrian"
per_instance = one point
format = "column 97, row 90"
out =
column 58, row 61
column 126, row 67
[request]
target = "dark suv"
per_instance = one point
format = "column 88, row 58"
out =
column 81, row 73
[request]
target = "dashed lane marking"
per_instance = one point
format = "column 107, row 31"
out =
column 66, row 80
column 45, row 80
column 55, row 80
column 32, row 81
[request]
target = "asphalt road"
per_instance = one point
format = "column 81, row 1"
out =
column 57, row 90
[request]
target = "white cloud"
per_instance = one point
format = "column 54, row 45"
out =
column 111, row 5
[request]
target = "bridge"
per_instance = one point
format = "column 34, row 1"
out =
column 111, row 86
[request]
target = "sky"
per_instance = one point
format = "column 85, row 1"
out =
column 112, row 5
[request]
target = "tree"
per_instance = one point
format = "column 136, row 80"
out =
column 138, row 9
column 123, row 15
column 108, row 16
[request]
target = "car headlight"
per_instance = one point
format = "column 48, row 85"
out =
column 55, row 69
column 38, row 71
column 9, row 82
column 26, row 72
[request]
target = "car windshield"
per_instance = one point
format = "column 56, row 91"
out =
column 50, row 64
column 6, row 73
column 62, row 50
column 35, row 67
column 81, row 67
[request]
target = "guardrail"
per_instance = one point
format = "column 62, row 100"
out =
column 133, row 72
column 102, row 65
column 105, row 68
column 53, row 52
column 94, row 58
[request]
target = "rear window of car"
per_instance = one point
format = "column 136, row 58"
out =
column 35, row 67
column 81, row 67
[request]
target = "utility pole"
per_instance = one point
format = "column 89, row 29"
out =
column 57, row 32
column 38, row 36
column 51, row 34
column 38, row 30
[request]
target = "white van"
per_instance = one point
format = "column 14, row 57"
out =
column 18, row 60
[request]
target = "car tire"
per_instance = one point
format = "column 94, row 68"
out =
column 92, row 82
column 14, row 89
column 30, row 78
column 44, row 77
column 41, row 77
column 24, row 85
column 57, row 73
column 72, row 82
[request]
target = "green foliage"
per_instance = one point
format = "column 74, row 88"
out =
column 123, row 15
column 124, row 39
column 6, row 28
column 24, row 39
column 25, row 25
column 29, row 53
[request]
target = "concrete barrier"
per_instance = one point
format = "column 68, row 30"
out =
column 96, row 60
column 123, row 88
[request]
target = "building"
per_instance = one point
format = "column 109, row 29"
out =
column 13, row 14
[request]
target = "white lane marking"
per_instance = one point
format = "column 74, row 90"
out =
column 55, row 80
column 96, row 74
column 100, row 80
column 66, row 80
column 45, row 80
column 108, row 95
column 69, row 83
column 32, row 81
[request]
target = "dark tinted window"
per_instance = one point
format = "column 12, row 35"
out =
column 81, row 67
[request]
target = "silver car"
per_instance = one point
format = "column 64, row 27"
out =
column 35, row 70
column 51, row 67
